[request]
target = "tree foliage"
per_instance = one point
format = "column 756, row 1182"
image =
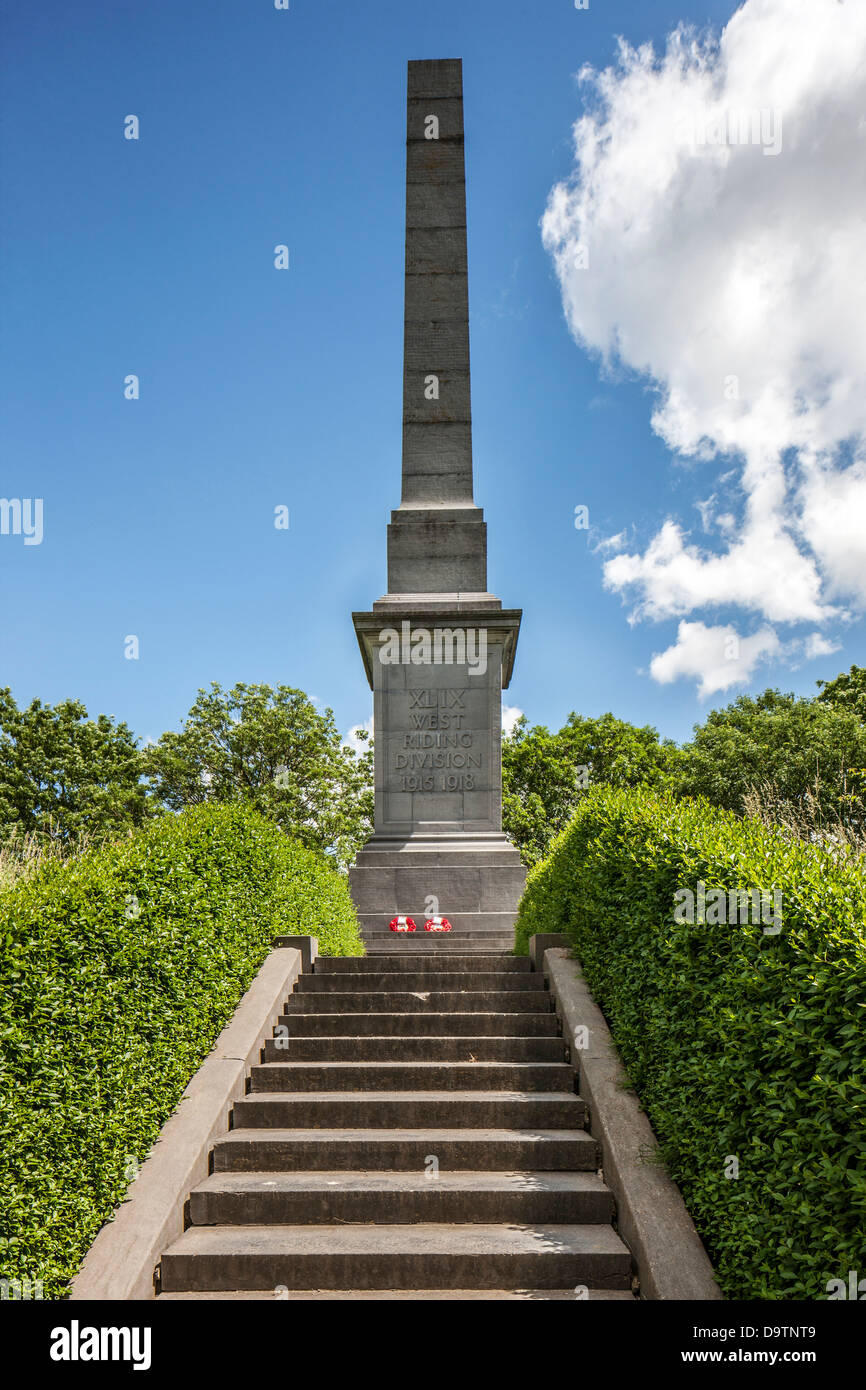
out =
column 273, row 749
column 801, row 745
column 846, row 692
column 65, row 775
column 544, row 775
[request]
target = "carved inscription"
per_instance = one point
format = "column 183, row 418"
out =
column 439, row 752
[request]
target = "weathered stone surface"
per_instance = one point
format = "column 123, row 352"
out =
column 447, row 110
column 420, row 1024
column 541, row 942
column 476, row 1198
column 307, row 945
column 470, row 890
column 442, row 205
column 367, row 965
column 433, row 452
column 437, row 296
column 436, row 251
column 450, row 404
column 436, row 77
column 394, row 1257
column 432, row 345
column 450, row 1295
column 434, row 488
column 436, row 553
column 433, row 162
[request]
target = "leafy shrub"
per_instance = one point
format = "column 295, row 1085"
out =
column 117, row 972
column 739, row 1042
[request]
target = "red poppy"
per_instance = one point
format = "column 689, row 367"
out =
column 403, row 924
column 437, row 924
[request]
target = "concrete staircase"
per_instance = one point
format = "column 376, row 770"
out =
column 413, row 1132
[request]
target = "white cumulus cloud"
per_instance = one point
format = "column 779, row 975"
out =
column 359, row 745
column 717, row 657
column 711, row 239
column 818, row 645
column 510, row 716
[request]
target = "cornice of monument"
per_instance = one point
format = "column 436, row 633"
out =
column 443, row 611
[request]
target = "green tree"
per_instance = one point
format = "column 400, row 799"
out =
column 273, row 749
column 803, row 746
column 544, row 775
column 846, row 692
column 63, row 775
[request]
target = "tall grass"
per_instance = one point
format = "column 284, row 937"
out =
column 804, row 819
column 23, row 855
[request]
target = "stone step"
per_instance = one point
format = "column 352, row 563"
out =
column 457, row 855
column 492, row 948
column 411, row 1049
column 475, row 933
column 462, row 923
column 360, row 1075
column 501, row 942
column 396, row 1257
column 427, row 1000
column 404, row 1150
column 354, row 965
column 402, row 1295
column 414, row 1110
column 443, row 979
column 236, row 1199
column 488, row 1024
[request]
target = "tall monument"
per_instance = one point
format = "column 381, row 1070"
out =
column 438, row 648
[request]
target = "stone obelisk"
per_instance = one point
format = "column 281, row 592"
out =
column 438, row 648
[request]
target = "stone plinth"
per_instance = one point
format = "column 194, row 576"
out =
column 475, row 882
column 438, row 846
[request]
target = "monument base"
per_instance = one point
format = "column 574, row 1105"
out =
column 438, row 664
column 476, row 881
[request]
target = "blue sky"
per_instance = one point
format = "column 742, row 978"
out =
column 261, row 388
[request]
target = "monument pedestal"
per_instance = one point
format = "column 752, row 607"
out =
column 475, row 882
column 438, row 849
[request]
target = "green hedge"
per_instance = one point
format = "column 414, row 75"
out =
column 117, row 973
column 739, row 1042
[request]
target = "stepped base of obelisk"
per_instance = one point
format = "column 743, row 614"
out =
column 474, row 881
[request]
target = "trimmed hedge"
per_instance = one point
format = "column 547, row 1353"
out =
column 739, row 1042
column 117, row 973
